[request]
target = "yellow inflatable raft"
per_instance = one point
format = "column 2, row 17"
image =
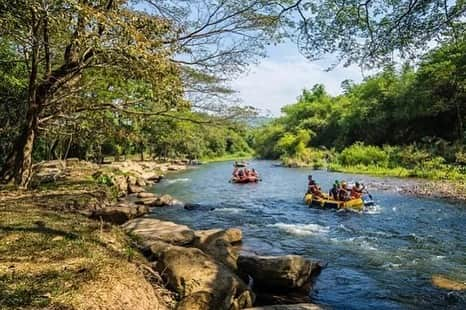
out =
column 355, row 204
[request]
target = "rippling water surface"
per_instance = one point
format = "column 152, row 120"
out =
column 383, row 258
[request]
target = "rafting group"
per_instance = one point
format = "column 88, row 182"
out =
column 340, row 196
column 241, row 174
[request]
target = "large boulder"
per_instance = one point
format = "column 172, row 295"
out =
column 278, row 273
column 201, row 282
column 223, row 252
column 204, row 237
column 219, row 244
column 151, row 230
column 119, row 213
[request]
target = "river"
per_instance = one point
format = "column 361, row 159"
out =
column 383, row 258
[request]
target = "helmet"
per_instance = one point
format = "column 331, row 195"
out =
column 343, row 184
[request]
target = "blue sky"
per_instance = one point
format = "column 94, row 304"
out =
column 278, row 79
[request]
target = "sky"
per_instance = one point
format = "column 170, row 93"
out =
column 279, row 79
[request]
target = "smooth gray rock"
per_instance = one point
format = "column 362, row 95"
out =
column 150, row 230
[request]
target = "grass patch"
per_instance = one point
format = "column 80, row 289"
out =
column 451, row 174
column 51, row 259
column 55, row 258
column 228, row 157
column 371, row 170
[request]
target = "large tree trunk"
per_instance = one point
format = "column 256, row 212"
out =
column 19, row 163
column 18, row 166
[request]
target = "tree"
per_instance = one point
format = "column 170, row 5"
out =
column 96, row 55
column 59, row 41
column 441, row 81
column 369, row 32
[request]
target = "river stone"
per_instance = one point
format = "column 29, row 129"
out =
column 159, row 201
column 132, row 180
column 150, row 202
column 201, row 282
column 150, row 230
column 278, row 273
column 121, row 185
column 442, row 282
column 223, row 252
column 146, row 195
column 204, row 237
column 134, row 189
column 119, row 213
column 140, row 182
column 155, row 178
column 288, row 307
column 218, row 244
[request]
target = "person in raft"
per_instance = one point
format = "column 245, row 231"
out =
column 335, row 191
column 313, row 188
column 357, row 190
column 240, row 173
column 344, row 194
column 235, row 172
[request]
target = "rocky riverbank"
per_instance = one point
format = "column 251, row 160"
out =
column 80, row 239
column 205, row 268
column 448, row 190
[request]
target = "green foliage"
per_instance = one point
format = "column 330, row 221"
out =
column 408, row 161
column 402, row 121
column 104, row 179
column 13, row 90
column 359, row 154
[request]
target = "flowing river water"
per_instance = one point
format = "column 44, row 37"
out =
column 383, row 258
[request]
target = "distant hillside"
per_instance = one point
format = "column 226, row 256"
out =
column 258, row 121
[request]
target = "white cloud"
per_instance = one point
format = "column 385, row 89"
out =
column 278, row 81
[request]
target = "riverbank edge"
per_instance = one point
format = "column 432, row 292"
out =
column 229, row 157
column 55, row 253
column 79, row 192
column 449, row 190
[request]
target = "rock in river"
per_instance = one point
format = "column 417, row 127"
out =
column 150, row 230
column 443, row 282
column 204, row 237
column 219, row 244
column 202, row 282
column 159, row 201
column 119, row 213
column 146, row 195
column 134, row 189
column 278, row 273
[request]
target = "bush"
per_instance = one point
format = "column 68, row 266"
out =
column 307, row 157
column 407, row 157
column 360, row 154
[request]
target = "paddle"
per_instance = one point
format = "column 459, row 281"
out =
column 367, row 192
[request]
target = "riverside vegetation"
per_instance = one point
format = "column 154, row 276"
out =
column 86, row 79
column 405, row 122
